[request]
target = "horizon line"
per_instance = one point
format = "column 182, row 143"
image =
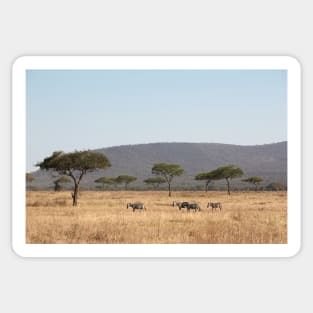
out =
column 189, row 142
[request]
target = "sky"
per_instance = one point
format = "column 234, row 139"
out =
column 89, row 109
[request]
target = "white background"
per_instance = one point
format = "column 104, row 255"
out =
column 70, row 27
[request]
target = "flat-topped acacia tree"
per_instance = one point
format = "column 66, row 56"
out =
column 168, row 172
column 75, row 165
column 126, row 180
column 227, row 172
column 207, row 177
column 255, row 180
column 155, row 181
column 104, row 181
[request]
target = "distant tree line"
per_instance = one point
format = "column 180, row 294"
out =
column 73, row 167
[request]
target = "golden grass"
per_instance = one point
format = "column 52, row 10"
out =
column 102, row 217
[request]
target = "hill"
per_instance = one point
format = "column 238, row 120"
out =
column 268, row 161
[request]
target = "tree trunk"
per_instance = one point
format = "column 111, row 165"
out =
column 169, row 190
column 76, row 186
column 75, row 195
column 228, row 186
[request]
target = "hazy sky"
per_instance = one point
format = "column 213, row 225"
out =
column 87, row 109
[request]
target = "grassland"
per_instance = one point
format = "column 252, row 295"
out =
column 102, row 218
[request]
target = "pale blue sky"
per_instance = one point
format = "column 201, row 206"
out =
column 87, row 109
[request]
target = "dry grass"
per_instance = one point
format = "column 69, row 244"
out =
column 102, row 217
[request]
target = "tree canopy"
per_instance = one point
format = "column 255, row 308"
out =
column 63, row 180
column 155, row 181
column 253, row 180
column 207, row 177
column 168, row 172
column 75, row 165
column 125, row 179
column 58, row 182
column 105, row 181
column 66, row 163
column 227, row 172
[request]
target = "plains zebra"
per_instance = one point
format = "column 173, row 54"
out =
column 190, row 206
column 176, row 203
column 194, row 206
column 215, row 205
column 136, row 206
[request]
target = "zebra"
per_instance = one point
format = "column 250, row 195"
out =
column 176, row 203
column 215, row 205
column 194, row 206
column 136, row 206
column 184, row 205
column 190, row 206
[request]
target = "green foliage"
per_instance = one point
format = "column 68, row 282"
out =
column 255, row 180
column 168, row 172
column 203, row 176
column 105, row 181
column 62, row 180
column 275, row 186
column 207, row 177
column 58, row 183
column 227, row 172
column 75, row 164
column 125, row 179
column 155, row 181
column 116, row 180
column 84, row 161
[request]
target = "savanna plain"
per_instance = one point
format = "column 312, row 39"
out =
column 101, row 217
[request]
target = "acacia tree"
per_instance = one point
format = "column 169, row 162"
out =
column 227, row 172
column 168, row 172
column 115, row 182
column 75, row 165
column 104, row 181
column 58, row 183
column 253, row 180
column 155, row 181
column 126, row 180
column 207, row 177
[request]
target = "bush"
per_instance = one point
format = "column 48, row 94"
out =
column 275, row 187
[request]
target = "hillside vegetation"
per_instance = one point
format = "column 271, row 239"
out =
column 267, row 161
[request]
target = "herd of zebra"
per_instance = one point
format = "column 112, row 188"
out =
column 181, row 205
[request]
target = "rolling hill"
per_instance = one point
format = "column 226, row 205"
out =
column 268, row 161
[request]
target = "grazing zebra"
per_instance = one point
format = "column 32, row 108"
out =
column 194, row 206
column 176, row 203
column 190, row 206
column 215, row 205
column 136, row 206
column 184, row 205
